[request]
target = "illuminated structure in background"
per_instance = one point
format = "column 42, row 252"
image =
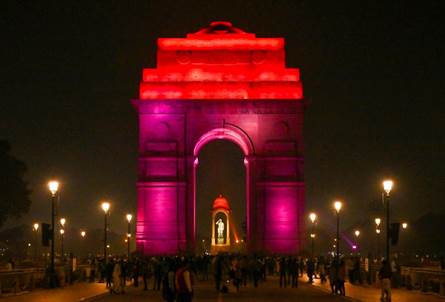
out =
column 220, row 83
column 221, row 217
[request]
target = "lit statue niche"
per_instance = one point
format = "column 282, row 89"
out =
column 220, row 229
column 221, row 226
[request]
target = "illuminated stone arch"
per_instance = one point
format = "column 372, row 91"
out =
column 220, row 83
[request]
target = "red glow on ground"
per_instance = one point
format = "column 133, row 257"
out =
column 221, row 62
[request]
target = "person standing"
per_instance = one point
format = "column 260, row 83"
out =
column 184, row 283
column 385, row 281
column 342, row 278
column 282, row 270
column 117, row 287
column 293, row 271
column 218, row 272
column 310, row 270
column 168, row 283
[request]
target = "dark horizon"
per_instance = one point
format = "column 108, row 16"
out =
column 372, row 80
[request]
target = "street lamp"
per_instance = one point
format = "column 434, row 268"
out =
column 377, row 231
column 53, row 187
column 377, row 222
column 357, row 235
column 62, row 222
column 35, row 228
column 387, row 187
column 312, row 217
column 62, row 232
column 105, row 207
column 337, row 206
column 404, row 225
column 83, row 234
column 129, row 217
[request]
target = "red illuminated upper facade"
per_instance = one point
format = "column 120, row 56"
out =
column 221, row 62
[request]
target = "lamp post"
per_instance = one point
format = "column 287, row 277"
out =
column 62, row 233
column 53, row 187
column 337, row 206
column 83, row 234
column 312, row 217
column 35, row 228
column 357, row 235
column 62, row 222
column 377, row 221
column 129, row 217
column 105, row 207
column 387, row 187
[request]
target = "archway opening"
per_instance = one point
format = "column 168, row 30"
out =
column 220, row 173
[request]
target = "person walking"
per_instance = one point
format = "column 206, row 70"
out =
column 184, row 283
column 333, row 277
column 342, row 278
column 385, row 281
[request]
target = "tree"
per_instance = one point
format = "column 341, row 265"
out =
column 14, row 192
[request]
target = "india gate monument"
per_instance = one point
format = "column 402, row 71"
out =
column 220, row 83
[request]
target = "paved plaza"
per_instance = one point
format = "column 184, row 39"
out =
column 266, row 292
column 205, row 292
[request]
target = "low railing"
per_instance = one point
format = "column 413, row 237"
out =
column 424, row 279
column 22, row 280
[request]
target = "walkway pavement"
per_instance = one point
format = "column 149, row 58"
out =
column 72, row 293
column 372, row 293
column 266, row 292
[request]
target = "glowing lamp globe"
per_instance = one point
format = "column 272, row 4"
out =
column 377, row 221
column 337, row 206
column 129, row 217
column 312, row 217
column 387, row 186
column 105, row 206
column 35, row 226
column 53, row 186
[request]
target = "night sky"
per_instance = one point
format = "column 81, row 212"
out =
column 373, row 76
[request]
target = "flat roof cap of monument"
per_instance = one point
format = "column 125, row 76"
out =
column 221, row 203
column 221, row 35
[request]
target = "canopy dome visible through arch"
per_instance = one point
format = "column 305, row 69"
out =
column 221, row 203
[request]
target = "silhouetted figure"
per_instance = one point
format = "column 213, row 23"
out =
column 385, row 280
column 109, row 267
column 218, row 272
column 282, row 271
column 293, row 272
column 136, row 271
column 342, row 278
column 184, row 283
column 310, row 270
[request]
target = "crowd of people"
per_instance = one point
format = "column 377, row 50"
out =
column 174, row 277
